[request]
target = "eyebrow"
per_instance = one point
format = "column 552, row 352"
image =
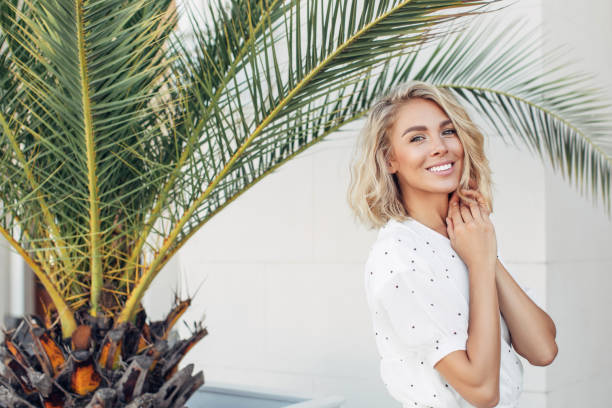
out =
column 421, row 127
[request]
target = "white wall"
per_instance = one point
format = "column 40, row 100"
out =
column 16, row 290
column 283, row 266
column 579, row 237
column 284, row 299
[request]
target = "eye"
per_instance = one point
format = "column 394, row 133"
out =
column 446, row 132
column 414, row 138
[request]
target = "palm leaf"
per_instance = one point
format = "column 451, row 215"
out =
column 84, row 120
column 117, row 145
column 247, row 116
column 529, row 99
column 495, row 73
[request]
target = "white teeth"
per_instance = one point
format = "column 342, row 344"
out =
column 441, row 168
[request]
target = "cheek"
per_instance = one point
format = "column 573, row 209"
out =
column 411, row 158
column 457, row 147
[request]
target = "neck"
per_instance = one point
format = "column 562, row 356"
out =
column 428, row 208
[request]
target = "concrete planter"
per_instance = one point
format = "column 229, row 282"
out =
column 218, row 395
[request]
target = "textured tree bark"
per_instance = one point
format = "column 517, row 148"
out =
column 100, row 366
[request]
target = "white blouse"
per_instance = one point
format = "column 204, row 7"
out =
column 417, row 288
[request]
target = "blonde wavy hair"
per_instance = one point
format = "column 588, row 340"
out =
column 374, row 194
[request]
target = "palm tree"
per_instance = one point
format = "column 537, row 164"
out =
column 120, row 139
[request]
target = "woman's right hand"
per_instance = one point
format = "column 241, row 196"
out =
column 471, row 231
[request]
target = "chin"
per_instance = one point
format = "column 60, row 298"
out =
column 441, row 190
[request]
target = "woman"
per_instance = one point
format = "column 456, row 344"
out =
column 448, row 317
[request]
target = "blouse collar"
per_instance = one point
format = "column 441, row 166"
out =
column 424, row 230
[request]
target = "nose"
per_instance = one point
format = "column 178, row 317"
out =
column 439, row 146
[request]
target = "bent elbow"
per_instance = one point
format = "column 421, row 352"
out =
column 548, row 358
column 486, row 395
column 490, row 401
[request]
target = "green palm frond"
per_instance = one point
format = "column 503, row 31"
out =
column 116, row 145
column 118, row 140
column 530, row 99
column 84, row 121
column 264, row 107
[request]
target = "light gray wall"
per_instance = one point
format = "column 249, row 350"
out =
column 579, row 237
column 282, row 269
column 284, row 299
column 16, row 289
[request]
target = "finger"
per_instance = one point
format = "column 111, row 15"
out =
column 450, row 228
column 466, row 213
column 454, row 200
column 475, row 209
column 475, row 204
column 454, row 214
column 481, row 201
column 477, row 195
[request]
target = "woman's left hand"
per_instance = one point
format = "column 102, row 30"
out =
column 479, row 198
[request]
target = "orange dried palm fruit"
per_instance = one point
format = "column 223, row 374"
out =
column 104, row 352
column 17, row 363
column 85, row 378
column 142, row 345
column 14, row 350
column 145, row 339
column 20, row 373
column 53, row 352
column 110, row 352
column 109, row 355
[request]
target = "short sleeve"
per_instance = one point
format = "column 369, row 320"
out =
column 424, row 313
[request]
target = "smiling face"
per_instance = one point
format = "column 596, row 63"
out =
column 423, row 137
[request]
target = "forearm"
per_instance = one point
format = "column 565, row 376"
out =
column 483, row 344
column 532, row 330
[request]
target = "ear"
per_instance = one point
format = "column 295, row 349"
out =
column 392, row 165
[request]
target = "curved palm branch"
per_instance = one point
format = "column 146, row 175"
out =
column 248, row 116
column 530, row 99
column 497, row 74
column 117, row 145
column 84, row 121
